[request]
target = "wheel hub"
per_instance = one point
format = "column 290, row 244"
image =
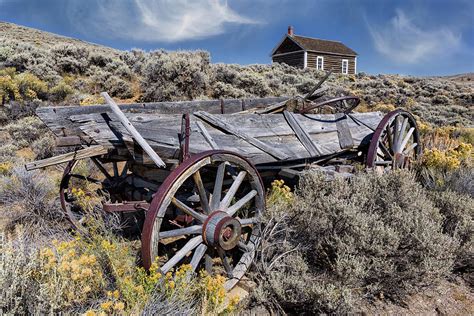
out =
column 221, row 230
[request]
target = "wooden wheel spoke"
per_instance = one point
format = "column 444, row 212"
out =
column 385, row 150
column 410, row 148
column 225, row 262
column 101, row 168
column 383, row 162
column 406, row 139
column 115, row 168
column 232, row 190
column 248, row 221
column 243, row 246
column 217, row 192
column 124, row 170
column 195, row 229
column 401, row 135
column 208, row 264
column 202, row 192
column 197, row 256
column 188, row 210
column 396, row 131
column 86, row 178
column 240, row 203
column 389, row 137
column 180, row 254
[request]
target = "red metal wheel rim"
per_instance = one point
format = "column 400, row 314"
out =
column 172, row 184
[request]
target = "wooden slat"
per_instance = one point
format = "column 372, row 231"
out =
column 302, row 135
column 206, row 135
column 343, row 131
column 214, row 120
column 136, row 135
column 77, row 155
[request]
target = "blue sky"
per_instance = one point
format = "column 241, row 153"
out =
column 416, row 37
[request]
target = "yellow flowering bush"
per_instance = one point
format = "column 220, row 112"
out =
column 448, row 159
column 5, row 168
column 24, row 86
column 279, row 193
column 70, row 272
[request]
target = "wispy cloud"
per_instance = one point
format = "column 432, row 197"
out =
column 405, row 41
column 156, row 20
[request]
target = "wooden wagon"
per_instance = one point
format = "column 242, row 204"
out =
column 193, row 184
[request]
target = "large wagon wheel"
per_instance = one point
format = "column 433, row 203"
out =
column 221, row 197
column 395, row 143
column 104, row 177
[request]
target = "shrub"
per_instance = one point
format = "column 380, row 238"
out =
column 29, row 197
column 458, row 212
column 31, row 87
column 174, row 75
column 44, row 146
column 380, row 235
column 70, row 58
column 26, row 130
column 119, row 88
column 60, row 92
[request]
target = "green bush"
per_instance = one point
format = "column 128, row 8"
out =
column 368, row 237
column 60, row 92
column 26, row 130
column 458, row 212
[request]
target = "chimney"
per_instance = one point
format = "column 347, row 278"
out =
column 290, row 30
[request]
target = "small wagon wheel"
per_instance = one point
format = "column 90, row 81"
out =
column 395, row 143
column 102, row 177
column 343, row 104
column 222, row 195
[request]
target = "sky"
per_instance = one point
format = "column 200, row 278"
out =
column 410, row 37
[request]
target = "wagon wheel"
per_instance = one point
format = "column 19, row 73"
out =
column 343, row 104
column 221, row 197
column 395, row 143
column 101, row 181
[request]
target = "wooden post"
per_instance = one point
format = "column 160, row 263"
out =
column 132, row 130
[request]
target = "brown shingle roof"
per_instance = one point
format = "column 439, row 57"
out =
column 323, row 46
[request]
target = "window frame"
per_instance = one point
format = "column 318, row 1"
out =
column 317, row 62
column 347, row 66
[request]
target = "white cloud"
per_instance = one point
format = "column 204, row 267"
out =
column 405, row 41
column 155, row 20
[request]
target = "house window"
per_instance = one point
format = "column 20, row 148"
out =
column 345, row 66
column 320, row 63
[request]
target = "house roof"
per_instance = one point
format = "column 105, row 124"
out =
column 319, row 45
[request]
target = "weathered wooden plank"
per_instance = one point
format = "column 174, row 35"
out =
column 302, row 135
column 73, row 141
column 57, row 117
column 76, row 155
column 343, row 131
column 206, row 135
column 254, row 124
column 136, row 135
column 214, row 120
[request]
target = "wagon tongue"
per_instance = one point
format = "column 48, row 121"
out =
column 221, row 230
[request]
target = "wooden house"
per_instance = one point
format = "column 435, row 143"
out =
column 306, row 52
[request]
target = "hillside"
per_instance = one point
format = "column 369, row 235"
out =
column 42, row 39
column 401, row 242
column 68, row 71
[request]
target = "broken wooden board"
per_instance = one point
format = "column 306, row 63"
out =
column 87, row 152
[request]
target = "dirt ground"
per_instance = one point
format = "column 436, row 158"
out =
column 448, row 298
